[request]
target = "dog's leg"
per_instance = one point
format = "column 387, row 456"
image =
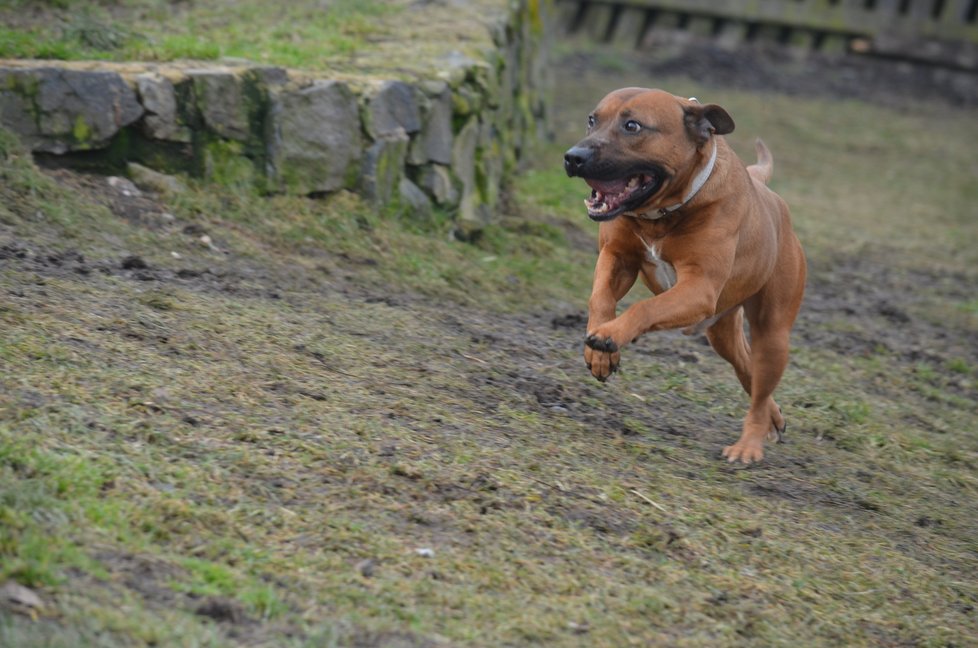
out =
column 771, row 314
column 727, row 338
column 769, row 357
column 613, row 278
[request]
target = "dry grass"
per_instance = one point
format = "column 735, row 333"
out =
column 346, row 430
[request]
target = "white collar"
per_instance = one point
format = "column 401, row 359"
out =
column 694, row 189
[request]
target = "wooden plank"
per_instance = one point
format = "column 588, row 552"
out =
column 955, row 11
column 802, row 38
column 566, row 13
column 887, row 7
column 700, row 25
column 834, row 44
column 920, row 9
column 818, row 15
column 597, row 20
column 630, row 28
column 732, row 33
column 847, row 17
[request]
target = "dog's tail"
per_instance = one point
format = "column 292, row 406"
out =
column 764, row 169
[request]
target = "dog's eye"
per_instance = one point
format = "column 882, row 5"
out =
column 590, row 121
column 632, row 126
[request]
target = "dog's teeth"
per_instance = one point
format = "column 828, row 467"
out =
column 633, row 182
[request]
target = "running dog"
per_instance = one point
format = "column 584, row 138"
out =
column 712, row 242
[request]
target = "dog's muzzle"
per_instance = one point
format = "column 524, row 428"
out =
column 576, row 159
column 614, row 189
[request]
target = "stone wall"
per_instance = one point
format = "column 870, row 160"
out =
column 446, row 133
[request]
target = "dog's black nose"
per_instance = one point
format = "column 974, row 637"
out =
column 576, row 158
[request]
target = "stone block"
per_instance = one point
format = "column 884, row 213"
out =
column 471, row 207
column 438, row 183
column 313, row 141
column 490, row 165
column 57, row 110
column 434, row 142
column 392, row 107
column 383, row 166
column 413, row 198
column 159, row 100
column 221, row 102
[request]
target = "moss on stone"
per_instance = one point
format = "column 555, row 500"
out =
column 81, row 130
column 225, row 163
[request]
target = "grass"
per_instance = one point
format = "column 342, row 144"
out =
column 388, row 38
column 340, row 427
column 154, row 30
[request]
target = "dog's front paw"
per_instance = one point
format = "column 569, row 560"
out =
column 602, row 356
column 605, row 344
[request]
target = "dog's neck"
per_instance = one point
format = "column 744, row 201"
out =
column 694, row 188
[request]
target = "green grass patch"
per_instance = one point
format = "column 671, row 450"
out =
column 295, row 35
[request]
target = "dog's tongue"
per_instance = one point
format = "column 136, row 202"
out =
column 608, row 188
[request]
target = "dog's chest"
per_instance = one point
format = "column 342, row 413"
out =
column 662, row 271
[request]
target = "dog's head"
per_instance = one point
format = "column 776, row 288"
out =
column 641, row 148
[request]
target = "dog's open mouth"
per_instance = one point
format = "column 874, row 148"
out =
column 612, row 197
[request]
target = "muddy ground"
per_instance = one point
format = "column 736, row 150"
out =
column 872, row 296
column 856, row 306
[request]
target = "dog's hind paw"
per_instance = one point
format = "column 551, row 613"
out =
column 776, row 435
column 745, row 452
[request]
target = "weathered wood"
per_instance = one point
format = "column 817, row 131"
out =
column 596, row 20
column 940, row 32
column 630, row 26
column 842, row 17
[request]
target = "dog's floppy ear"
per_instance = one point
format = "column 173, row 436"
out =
column 703, row 120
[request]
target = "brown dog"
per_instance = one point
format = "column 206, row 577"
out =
column 709, row 239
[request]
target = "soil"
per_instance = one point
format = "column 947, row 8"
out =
column 867, row 292
column 870, row 294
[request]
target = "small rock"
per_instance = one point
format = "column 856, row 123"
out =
column 366, row 567
column 124, row 186
column 579, row 628
column 425, row 552
column 155, row 181
column 206, row 241
column 20, row 599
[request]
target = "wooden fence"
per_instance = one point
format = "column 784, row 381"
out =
column 939, row 32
